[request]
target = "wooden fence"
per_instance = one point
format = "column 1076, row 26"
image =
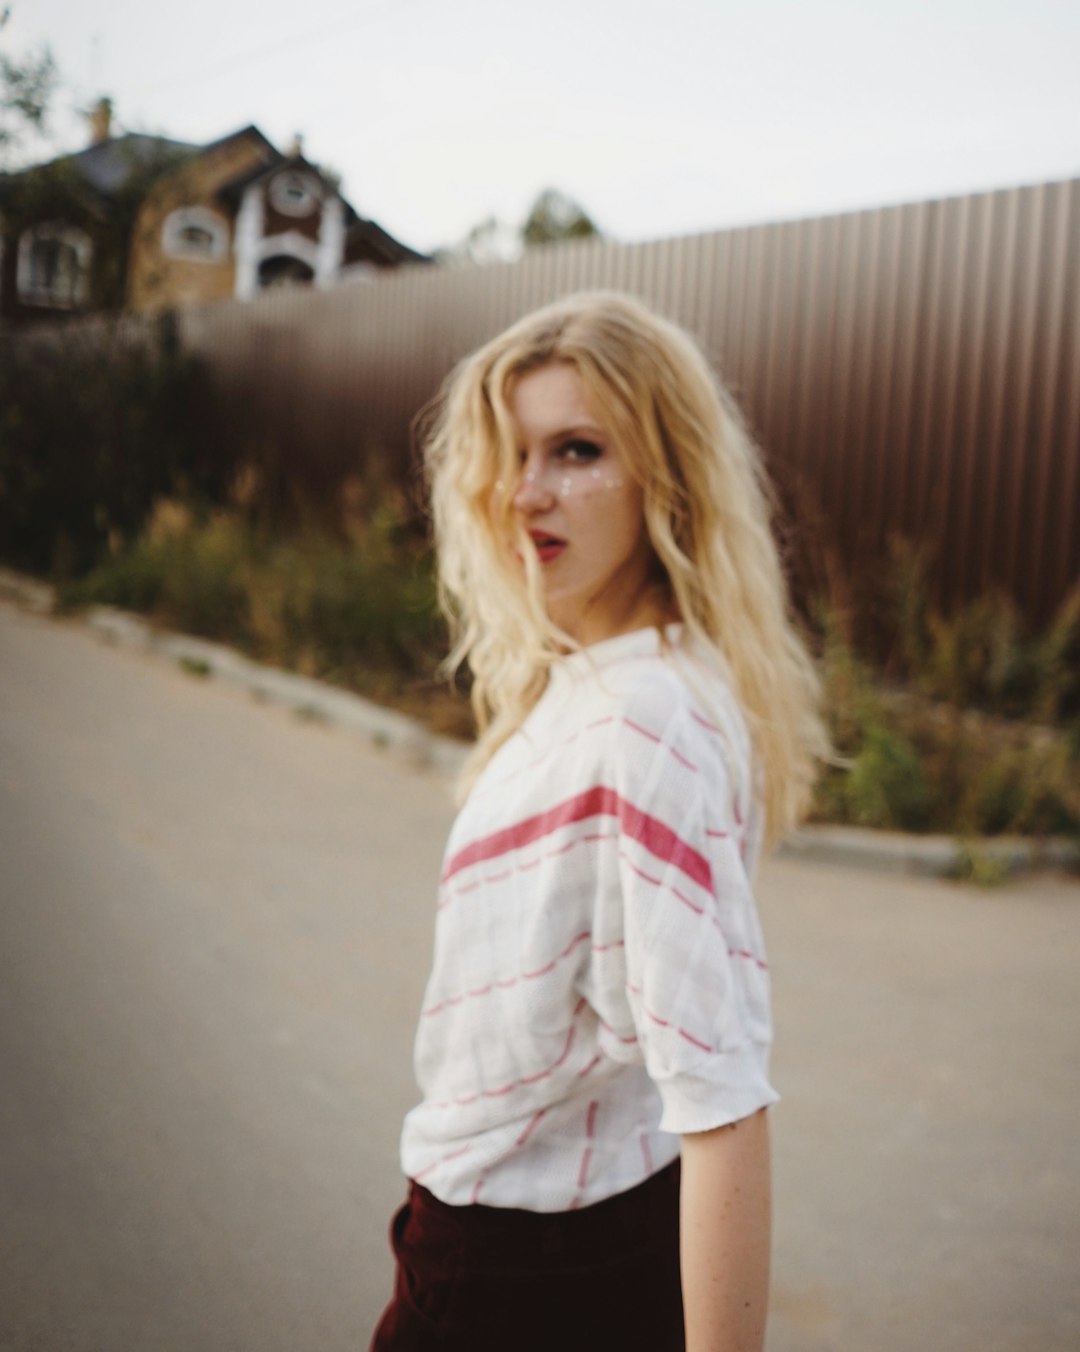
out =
column 913, row 370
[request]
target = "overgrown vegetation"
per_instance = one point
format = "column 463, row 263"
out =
column 117, row 482
column 355, row 607
column 975, row 731
column 970, row 724
column 96, row 424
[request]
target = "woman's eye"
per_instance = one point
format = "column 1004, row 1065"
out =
column 579, row 451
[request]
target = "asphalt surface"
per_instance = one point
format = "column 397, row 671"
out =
column 214, row 931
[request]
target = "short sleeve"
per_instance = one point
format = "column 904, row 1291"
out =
column 694, row 1002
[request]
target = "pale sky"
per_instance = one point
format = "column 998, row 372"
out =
column 661, row 118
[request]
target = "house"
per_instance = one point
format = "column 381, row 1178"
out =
column 142, row 223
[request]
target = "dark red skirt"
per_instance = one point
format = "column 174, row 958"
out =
column 476, row 1278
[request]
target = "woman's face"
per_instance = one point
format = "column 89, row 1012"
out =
column 577, row 502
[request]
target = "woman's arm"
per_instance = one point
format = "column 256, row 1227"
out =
column 725, row 1224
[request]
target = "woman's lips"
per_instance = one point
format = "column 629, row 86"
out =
column 548, row 547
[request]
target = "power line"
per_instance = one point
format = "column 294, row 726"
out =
column 246, row 59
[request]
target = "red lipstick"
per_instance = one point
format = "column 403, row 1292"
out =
column 548, row 546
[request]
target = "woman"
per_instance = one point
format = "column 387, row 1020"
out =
column 589, row 1165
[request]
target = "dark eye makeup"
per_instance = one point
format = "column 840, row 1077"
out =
column 579, row 449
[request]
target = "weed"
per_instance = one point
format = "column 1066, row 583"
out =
column 358, row 611
column 309, row 713
column 983, row 655
column 918, row 762
column 95, row 423
column 973, row 864
column 939, row 733
column 887, row 785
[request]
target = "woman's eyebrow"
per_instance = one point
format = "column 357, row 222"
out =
column 578, row 430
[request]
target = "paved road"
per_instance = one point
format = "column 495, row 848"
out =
column 213, row 936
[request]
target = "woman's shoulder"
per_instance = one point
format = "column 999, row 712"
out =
column 679, row 680
column 653, row 692
column 622, row 698
column 680, row 695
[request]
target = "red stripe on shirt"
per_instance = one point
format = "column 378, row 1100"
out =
column 583, row 1171
column 666, row 1023
column 656, row 837
column 590, row 1136
column 652, row 737
column 705, row 723
column 533, row 1123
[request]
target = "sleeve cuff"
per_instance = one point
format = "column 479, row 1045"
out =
column 738, row 1087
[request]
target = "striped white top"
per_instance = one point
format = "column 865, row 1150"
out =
column 599, row 982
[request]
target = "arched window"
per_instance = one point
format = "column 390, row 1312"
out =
column 294, row 194
column 195, row 233
column 53, row 265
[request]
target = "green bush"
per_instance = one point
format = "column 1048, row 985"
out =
column 121, row 478
column 359, row 611
column 96, row 423
column 886, row 786
column 197, row 577
column 919, row 763
column 965, row 722
column 983, row 655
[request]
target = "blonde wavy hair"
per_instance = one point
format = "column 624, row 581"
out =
column 707, row 505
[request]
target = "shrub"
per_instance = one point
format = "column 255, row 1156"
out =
column 887, row 786
column 984, row 654
column 196, row 575
column 360, row 612
column 915, row 762
column 96, row 422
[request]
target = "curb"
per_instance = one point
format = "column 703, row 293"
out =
column 937, row 856
column 382, row 728
column 931, row 856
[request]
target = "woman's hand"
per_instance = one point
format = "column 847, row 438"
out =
column 725, row 1225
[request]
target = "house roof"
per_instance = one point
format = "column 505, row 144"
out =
column 234, row 189
column 106, row 167
column 378, row 240
column 383, row 243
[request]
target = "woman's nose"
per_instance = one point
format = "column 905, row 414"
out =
column 532, row 491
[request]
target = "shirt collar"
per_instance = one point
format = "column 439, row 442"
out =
column 636, row 643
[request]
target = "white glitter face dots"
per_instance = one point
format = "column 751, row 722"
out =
column 596, row 478
column 576, row 504
column 606, row 478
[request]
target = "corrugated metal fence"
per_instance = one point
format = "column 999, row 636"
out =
column 912, row 370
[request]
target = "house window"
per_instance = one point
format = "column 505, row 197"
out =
column 294, row 194
column 53, row 266
column 195, row 233
column 284, row 270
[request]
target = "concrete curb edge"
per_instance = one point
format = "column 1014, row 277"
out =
column 383, row 728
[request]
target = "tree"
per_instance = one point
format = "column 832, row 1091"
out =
column 489, row 241
column 25, row 90
column 554, row 216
